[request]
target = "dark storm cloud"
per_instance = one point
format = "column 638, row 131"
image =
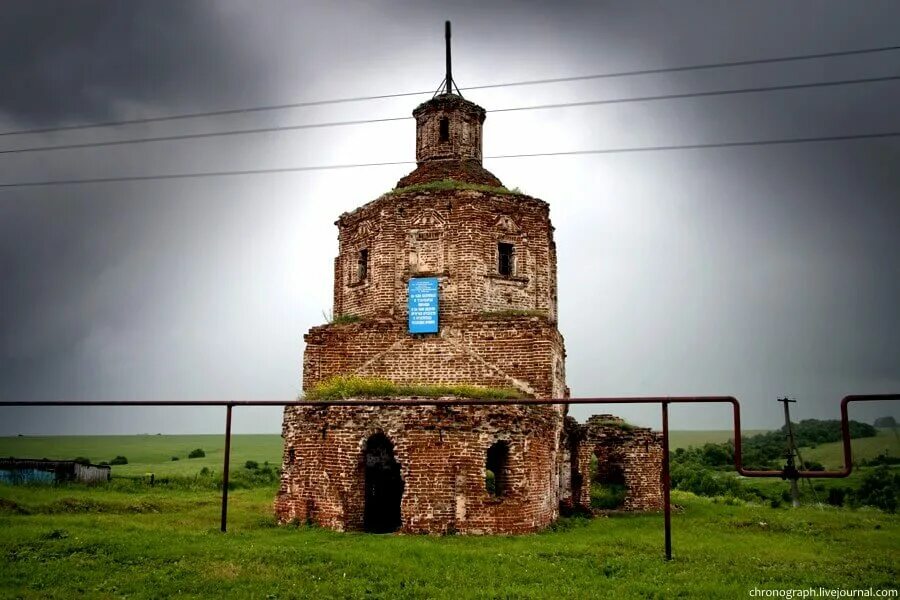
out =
column 70, row 61
column 774, row 267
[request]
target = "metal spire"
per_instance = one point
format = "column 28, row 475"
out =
column 448, row 84
column 449, row 78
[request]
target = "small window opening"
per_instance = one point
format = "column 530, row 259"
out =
column 445, row 129
column 496, row 469
column 291, row 456
column 362, row 265
column 505, row 259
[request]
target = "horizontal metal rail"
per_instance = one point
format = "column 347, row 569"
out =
column 664, row 401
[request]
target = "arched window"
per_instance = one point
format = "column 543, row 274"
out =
column 496, row 469
column 444, row 129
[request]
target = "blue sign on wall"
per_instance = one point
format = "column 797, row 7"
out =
column 423, row 305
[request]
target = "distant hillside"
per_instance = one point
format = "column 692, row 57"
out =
column 832, row 454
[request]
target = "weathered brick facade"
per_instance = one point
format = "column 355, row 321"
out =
column 423, row 469
column 628, row 455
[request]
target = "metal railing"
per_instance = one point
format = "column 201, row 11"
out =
column 663, row 401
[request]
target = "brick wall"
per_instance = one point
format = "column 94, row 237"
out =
column 464, row 121
column 452, row 235
column 522, row 352
column 442, row 454
column 635, row 452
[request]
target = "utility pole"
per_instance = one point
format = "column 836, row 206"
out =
column 790, row 469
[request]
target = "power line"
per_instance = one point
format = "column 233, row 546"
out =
column 780, row 141
column 280, row 128
column 273, row 107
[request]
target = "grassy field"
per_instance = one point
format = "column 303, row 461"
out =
column 685, row 438
column 149, row 453
column 832, row 455
column 143, row 542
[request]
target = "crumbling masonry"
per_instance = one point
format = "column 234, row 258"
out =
column 423, row 469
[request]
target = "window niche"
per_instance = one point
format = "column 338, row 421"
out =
column 362, row 265
column 506, row 259
column 444, row 129
column 496, row 469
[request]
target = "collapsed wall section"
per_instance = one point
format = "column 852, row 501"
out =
column 624, row 454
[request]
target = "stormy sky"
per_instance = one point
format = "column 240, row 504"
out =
column 756, row 272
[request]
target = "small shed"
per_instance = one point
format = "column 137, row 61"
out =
column 40, row 470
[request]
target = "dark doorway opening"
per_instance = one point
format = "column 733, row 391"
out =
column 384, row 486
column 608, row 489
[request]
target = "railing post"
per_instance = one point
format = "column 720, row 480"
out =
column 667, row 506
column 227, row 467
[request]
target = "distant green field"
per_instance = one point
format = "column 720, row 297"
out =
column 149, row 453
column 153, row 453
column 832, row 455
column 688, row 437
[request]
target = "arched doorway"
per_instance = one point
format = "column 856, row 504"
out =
column 384, row 486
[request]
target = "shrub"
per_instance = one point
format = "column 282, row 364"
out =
column 251, row 464
column 174, row 458
column 197, row 453
column 836, row 496
column 204, row 471
column 882, row 459
column 82, row 460
column 119, row 460
column 693, row 477
column 880, row 488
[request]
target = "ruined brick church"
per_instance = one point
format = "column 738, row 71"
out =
column 450, row 283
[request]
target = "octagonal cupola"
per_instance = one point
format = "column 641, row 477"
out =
column 448, row 137
column 448, row 127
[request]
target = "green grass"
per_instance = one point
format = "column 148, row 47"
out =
column 452, row 184
column 353, row 386
column 832, row 455
column 687, row 437
column 513, row 313
column 152, row 543
column 149, row 453
column 345, row 319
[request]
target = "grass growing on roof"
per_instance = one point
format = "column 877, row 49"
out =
column 623, row 425
column 353, row 386
column 512, row 313
column 345, row 319
column 452, row 184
